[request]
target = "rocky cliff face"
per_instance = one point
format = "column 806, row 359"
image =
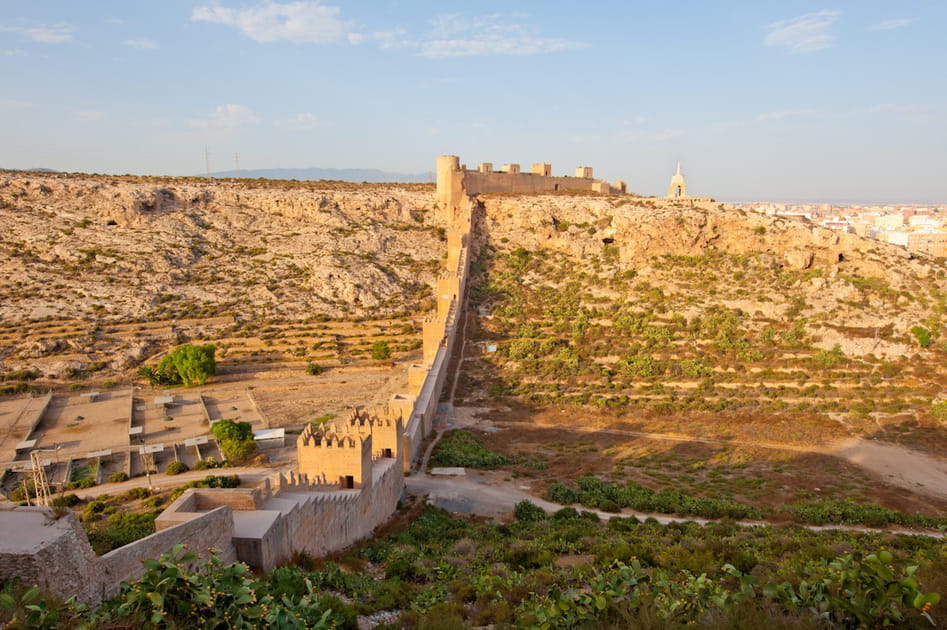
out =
column 120, row 248
column 643, row 229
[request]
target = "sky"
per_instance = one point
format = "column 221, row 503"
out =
column 780, row 100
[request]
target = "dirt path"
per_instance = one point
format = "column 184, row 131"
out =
column 896, row 465
column 477, row 494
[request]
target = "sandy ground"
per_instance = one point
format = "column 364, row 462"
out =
column 896, row 465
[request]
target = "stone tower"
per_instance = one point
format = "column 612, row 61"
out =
column 678, row 188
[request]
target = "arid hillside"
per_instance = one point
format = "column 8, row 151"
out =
column 197, row 259
column 708, row 255
column 708, row 320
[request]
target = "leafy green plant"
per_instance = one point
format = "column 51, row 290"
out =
column 119, row 529
column 234, row 438
column 187, row 365
column 117, row 477
column 216, row 595
column 922, row 335
column 381, row 350
column 939, row 409
column 176, row 468
column 29, row 610
column 207, row 463
column 529, row 511
column 462, row 448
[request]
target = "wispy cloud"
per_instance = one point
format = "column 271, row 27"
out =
column 227, row 117
column 805, row 33
column 11, row 103
column 89, row 115
column 302, row 22
column 300, row 122
column 15, row 52
column 141, row 44
column 42, row 33
column 454, row 35
column 786, row 113
column 887, row 25
column 115, row 20
column 451, row 35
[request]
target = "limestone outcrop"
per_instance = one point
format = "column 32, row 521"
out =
column 640, row 229
column 123, row 248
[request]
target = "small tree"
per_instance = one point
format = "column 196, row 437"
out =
column 193, row 364
column 234, row 438
column 381, row 351
column 314, row 369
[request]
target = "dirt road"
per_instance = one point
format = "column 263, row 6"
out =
column 476, row 494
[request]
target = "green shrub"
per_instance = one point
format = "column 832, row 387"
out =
column 922, row 335
column 136, row 494
column 92, row 510
column 381, row 351
column 119, row 529
column 64, row 500
column 462, row 448
column 210, row 481
column 81, row 484
column 117, row 477
column 528, row 511
column 610, row 497
column 314, row 369
column 176, row 468
column 939, row 409
column 207, row 463
column 188, row 365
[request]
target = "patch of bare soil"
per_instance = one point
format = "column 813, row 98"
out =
column 767, row 475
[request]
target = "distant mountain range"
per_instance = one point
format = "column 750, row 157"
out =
column 340, row 174
column 371, row 175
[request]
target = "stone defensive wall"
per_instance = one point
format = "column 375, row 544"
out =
column 293, row 515
column 455, row 181
column 439, row 330
column 54, row 553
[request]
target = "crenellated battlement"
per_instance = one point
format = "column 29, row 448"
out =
column 455, row 181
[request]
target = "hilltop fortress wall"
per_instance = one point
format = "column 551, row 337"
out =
column 455, row 182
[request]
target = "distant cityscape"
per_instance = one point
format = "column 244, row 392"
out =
column 917, row 228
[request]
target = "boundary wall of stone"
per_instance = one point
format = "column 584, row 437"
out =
column 61, row 561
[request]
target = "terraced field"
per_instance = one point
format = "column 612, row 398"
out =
column 668, row 344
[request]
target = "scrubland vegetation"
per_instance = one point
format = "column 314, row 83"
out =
column 565, row 570
column 590, row 334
